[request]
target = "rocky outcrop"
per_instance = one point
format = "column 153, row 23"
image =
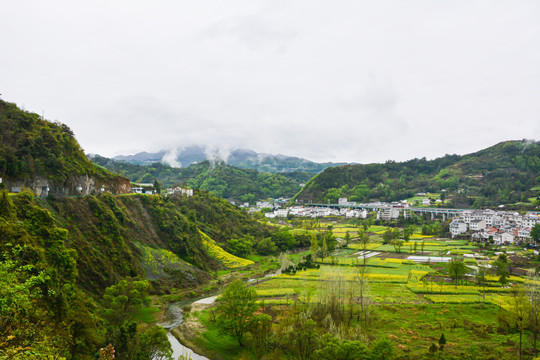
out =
column 75, row 185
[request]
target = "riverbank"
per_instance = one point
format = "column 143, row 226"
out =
column 191, row 328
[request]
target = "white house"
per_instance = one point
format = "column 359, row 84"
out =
column 477, row 225
column 524, row 233
column 426, row 201
column 388, row 213
column 503, row 238
column 263, row 204
column 458, row 228
column 529, row 221
column 281, row 212
column 343, row 201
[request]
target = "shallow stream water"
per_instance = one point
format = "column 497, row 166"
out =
column 173, row 317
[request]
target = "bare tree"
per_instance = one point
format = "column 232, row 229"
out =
column 364, row 240
column 363, row 297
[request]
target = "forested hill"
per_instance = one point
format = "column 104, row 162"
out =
column 223, row 180
column 76, row 272
column 38, row 154
column 507, row 173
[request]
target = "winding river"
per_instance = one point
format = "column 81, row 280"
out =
column 172, row 318
column 174, row 315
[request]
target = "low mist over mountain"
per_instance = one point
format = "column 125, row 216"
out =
column 243, row 158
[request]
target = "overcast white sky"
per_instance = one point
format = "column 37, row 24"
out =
column 357, row 81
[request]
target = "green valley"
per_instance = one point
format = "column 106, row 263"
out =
column 89, row 270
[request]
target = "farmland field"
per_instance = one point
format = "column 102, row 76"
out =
column 410, row 304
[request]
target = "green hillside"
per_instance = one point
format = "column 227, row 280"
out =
column 61, row 258
column 35, row 152
column 217, row 177
column 506, row 173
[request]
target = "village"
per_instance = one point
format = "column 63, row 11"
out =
column 498, row 227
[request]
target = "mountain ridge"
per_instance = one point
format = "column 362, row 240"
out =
column 506, row 173
column 243, row 158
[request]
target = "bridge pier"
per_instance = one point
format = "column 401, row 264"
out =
column 432, row 215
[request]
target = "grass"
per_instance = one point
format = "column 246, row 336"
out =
column 457, row 299
column 468, row 328
column 275, row 292
column 369, row 246
column 146, row 314
column 216, row 341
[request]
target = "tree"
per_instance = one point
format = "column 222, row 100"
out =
column 387, row 236
column 396, row 234
column 314, row 246
column 154, row 344
column 382, row 350
column 324, row 249
column 266, row 247
column 535, row 232
column 347, row 238
column 397, row 243
column 364, row 240
column 333, row 348
column 457, row 270
column 235, row 309
column 480, row 279
column 362, row 295
column 123, row 302
column 366, row 224
column 501, row 267
column 259, row 327
column 442, row 342
column 408, row 232
column 240, row 247
column 19, row 292
column 303, row 338
column 519, row 310
column 157, row 186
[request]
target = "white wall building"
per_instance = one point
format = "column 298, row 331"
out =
column 281, row 212
column 477, row 225
column 458, row 228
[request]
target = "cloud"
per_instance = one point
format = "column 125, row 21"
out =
column 171, row 158
column 349, row 81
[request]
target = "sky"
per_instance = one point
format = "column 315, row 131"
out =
column 344, row 81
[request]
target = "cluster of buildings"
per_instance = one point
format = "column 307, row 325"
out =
column 316, row 212
column 503, row 227
column 148, row 189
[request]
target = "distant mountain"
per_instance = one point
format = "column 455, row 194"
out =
column 507, row 173
column 226, row 181
column 242, row 158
